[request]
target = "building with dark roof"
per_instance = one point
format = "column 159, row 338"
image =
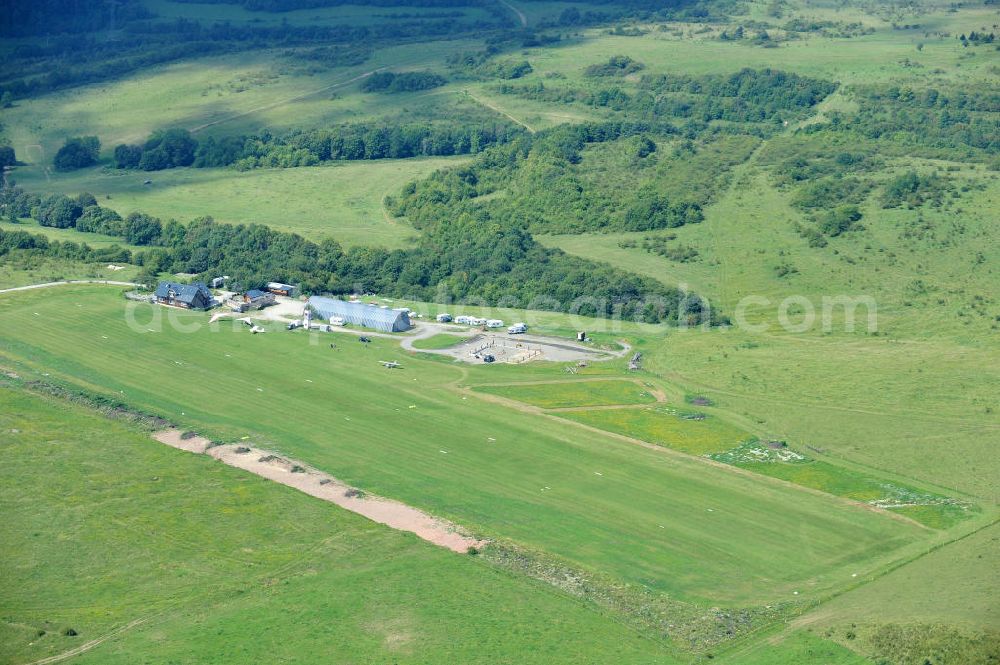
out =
column 360, row 314
column 188, row 296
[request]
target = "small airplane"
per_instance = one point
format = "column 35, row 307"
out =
column 390, row 364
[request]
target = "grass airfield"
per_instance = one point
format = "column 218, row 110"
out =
column 915, row 406
column 576, row 497
column 435, row 451
column 219, row 566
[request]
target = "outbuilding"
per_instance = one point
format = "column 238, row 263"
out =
column 279, row 289
column 252, row 299
column 188, row 296
column 360, row 314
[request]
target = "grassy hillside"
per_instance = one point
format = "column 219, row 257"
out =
column 343, row 200
column 95, row 240
column 838, row 390
column 118, row 538
column 222, row 95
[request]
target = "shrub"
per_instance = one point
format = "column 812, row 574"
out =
column 77, row 153
column 617, row 65
column 406, row 82
column 839, row 220
column 7, row 156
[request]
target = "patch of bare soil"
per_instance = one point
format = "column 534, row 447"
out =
column 176, row 439
column 323, row 486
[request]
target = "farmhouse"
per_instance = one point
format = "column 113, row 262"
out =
column 360, row 314
column 279, row 289
column 188, row 296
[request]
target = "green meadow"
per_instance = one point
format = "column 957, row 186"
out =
column 665, row 426
column 115, row 537
column 573, row 393
column 95, row 240
column 438, row 341
column 798, row 647
column 941, row 606
column 340, row 200
column 595, row 502
column 41, row 270
column 692, row 48
column 224, row 95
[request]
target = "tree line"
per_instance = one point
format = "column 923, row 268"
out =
column 177, row 147
column 470, row 257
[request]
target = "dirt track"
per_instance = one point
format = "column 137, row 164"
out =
column 322, row 486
